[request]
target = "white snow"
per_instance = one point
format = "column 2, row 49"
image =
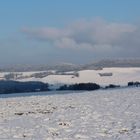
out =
column 97, row 115
column 120, row 76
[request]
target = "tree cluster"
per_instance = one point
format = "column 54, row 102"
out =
column 137, row 84
column 112, row 86
column 80, row 86
column 19, row 87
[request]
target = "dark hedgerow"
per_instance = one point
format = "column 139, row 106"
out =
column 18, row 87
column 137, row 84
column 112, row 86
column 80, row 86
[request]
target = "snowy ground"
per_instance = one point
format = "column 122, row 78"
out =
column 97, row 115
column 121, row 76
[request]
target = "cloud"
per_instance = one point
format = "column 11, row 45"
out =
column 96, row 35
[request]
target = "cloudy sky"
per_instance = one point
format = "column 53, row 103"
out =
column 73, row 31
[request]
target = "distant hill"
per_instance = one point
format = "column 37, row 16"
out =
column 63, row 67
column 113, row 63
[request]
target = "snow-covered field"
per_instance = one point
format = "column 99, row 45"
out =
column 97, row 115
column 119, row 76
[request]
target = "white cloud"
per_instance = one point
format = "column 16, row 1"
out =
column 97, row 35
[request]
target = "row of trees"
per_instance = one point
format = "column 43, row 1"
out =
column 20, row 87
column 33, row 86
column 93, row 86
column 137, row 84
column 80, row 86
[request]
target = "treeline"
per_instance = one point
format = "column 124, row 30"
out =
column 7, row 87
column 86, row 86
column 94, row 86
column 80, row 86
column 137, row 84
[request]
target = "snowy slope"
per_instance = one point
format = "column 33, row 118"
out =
column 96, row 115
column 120, row 76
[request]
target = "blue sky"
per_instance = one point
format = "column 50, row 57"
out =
column 23, row 25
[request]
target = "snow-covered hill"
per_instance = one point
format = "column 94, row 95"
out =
column 96, row 115
column 119, row 76
column 116, row 76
